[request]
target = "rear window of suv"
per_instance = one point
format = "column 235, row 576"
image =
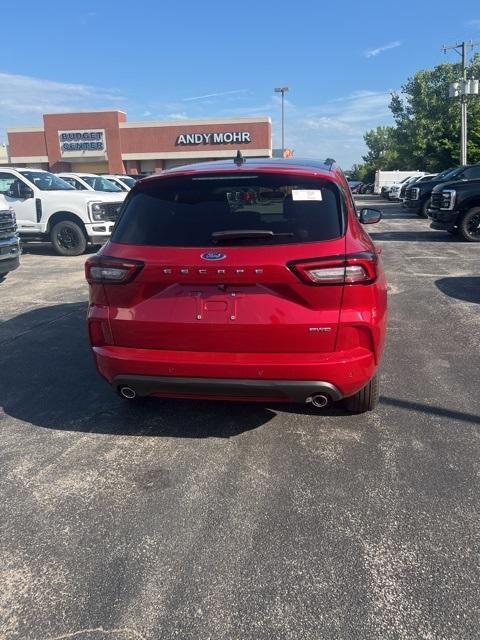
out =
column 231, row 209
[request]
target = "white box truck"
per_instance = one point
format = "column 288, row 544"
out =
column 389, row 178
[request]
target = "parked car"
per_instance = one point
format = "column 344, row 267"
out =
column 385, row 179
column 366, row 188
column 124, row 182
column 384, row 192
column 48, row 208
column 394, row 191
column 417, row 197
column 415, row 180
column 455, row 207
column 251, row 281
column 354, row 185
column 90, row 182
column 9, row 244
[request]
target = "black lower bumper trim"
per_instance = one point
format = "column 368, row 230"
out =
column 441, row 226
column 9, row 265
column 293, row 390
column 413, row 205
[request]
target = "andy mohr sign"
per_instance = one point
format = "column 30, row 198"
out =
column 229, row 137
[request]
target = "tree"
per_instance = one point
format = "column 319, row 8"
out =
column 426, row 133
column 382, row 153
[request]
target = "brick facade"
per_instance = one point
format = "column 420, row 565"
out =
column 128, row 145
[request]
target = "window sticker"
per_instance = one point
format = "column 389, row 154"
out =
column 306, row 194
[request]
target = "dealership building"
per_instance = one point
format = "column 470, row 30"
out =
column 104, row 142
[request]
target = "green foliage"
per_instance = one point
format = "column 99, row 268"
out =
column 426, row 133
column 362, row 172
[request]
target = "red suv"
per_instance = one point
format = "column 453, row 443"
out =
column 243, row 281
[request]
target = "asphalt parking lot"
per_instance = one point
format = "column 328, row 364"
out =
column 220, row 521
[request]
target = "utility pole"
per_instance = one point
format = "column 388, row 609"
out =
column 461, row 49
column 282, row 90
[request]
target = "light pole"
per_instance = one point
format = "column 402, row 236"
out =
column 283, row 91
column 465, row 90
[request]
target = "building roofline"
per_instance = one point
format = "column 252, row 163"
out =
column 187, row 122
column 25, row 129
column 73, row 113
column 152, row 123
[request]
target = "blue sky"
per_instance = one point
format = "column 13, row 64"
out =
column 182, row 59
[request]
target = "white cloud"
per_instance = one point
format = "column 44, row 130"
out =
column 336, row 128
column 216, row 95
column 86, row 17
column 325, row 123
column 333, row 128
column 473, row 24
column 181, row 115
column 24, row 99
column 371, row 53
column 30, row 97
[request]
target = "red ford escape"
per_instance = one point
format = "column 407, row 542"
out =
column 243, row 281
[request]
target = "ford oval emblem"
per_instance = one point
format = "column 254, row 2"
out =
column 213, row 255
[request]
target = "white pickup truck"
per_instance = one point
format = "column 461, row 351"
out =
column 47, row 208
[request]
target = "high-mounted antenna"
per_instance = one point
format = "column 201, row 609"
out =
column 239, row 159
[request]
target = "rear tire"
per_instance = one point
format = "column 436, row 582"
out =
column 3, row 276
column 68, row 238
column 469, row 225
column 366, row 399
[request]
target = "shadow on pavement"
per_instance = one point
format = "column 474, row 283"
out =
column 396, row 215
column 413, row 236
column 461, row 288
column 437, row 411
column 46, row 249
column 51, row 382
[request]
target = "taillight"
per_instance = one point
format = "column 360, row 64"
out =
column 354, row 269
column 105, row 270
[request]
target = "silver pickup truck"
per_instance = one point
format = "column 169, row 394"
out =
column 9, row 243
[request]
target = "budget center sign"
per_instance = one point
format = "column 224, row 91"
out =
column 82, row 143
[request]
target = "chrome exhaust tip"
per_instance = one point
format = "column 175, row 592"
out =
column 127, row 392
column 319, row 400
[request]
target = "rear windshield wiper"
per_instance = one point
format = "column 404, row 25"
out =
column 240, row 234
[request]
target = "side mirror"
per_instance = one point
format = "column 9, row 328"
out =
column 370, row 216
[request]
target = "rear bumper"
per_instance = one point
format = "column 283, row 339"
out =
column 281, row 390
column 272, row 376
